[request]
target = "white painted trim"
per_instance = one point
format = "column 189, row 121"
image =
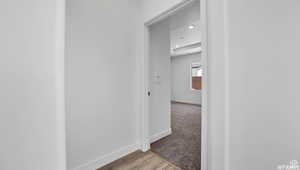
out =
column 227, row 89
column 160, row 135
column 145, row 143
column 187, row 52
column 106, row 159
column 205, row 85
column 168, row 12
column 60, row 83
column 189, row 46
column 144, row 125
column 183, row 102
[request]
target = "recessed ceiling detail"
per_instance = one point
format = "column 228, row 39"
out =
column 186, row 39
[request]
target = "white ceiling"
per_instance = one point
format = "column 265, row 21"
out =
column 184, row 36
column 185, row 40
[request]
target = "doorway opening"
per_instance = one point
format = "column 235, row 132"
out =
column 175, row 79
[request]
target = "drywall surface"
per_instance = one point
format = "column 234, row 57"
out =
column 181, row 79
column 159, row 78
column 31, row 70
column 216, row 85
column 100, row 81
column 263, row 53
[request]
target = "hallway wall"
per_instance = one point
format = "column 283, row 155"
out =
column 100, row 82
column 263, row 75
column 32, row 124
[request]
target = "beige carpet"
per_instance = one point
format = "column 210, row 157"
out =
column 141, row 161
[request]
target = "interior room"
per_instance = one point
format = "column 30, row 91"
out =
column 175, row 84
column 174, row 96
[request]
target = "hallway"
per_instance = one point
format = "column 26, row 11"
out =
column 182, row 147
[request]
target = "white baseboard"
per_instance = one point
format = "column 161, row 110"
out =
column 106, row 159
column 192, row 103
column 160, row 135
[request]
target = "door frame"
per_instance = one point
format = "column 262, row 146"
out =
column 144, row 118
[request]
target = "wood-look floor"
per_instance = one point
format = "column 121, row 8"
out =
column 141, row 161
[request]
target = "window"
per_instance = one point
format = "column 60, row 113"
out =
column 196, row 76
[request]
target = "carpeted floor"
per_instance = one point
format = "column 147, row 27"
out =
column 141, row 161
column 183, row 146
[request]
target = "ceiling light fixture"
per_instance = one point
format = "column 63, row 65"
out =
column 191, row 27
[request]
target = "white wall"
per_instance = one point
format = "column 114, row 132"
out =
column 263, row 53
column 160, row 78
column 100, row 82
column 31, row 88
column 181, row 79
